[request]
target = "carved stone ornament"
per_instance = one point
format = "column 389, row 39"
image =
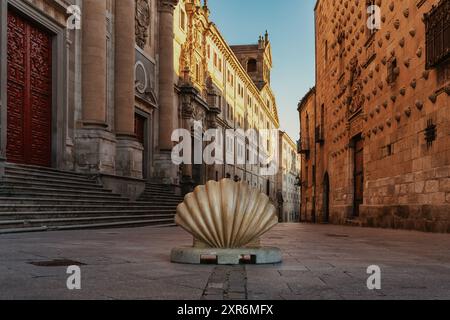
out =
column 226, row 214
column 355, row 98
column 142, row 23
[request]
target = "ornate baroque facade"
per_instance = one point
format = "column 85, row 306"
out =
column 223, row 87
column 375, row 131
column 86, row 99
column 104, row 98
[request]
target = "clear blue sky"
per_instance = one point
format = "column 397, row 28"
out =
column 291, row 30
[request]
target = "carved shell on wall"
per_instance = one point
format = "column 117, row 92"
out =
column 142, row 24
column 226, row 214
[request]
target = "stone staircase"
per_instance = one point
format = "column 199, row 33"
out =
column 41, row 199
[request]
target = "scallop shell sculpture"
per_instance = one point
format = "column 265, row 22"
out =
column 226, row 214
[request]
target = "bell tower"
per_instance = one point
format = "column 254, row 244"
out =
column 256, row 60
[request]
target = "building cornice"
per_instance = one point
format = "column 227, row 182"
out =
column 245, row 77
column 305, row 99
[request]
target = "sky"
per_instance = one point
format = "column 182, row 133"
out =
column 290, row 24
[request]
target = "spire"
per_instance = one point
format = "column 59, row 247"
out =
column 266, row 37
column 260, row 42
column 205, row 8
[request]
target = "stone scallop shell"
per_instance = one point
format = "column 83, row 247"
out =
column 226, row 214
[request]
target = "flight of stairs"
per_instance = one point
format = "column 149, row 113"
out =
column 41, row 199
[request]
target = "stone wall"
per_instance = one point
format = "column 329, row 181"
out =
column 383, row 91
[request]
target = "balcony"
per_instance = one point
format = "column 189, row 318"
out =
column 320, row 135
column 303, row 146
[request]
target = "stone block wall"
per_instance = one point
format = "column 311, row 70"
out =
column 382, row 90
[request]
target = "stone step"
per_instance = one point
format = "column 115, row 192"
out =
column 51, row 182
column 158, row 192
column 165, row 202
column 40, row 199
column 122, row 224
column 65, row 201
column 14, row 216
column 55, row 193
column 36, row 169
column 13, row 188
column 48, row 207
column 159, row 187
column 66, row 221
column 44, row 176
column 157, row 197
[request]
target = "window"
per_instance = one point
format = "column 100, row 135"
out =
column 216, row 62
column 392, row 70
column 437, row 26
column 252, row 65
column 183, row 20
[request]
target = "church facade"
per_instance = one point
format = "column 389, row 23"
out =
column 98, row 87
column 80, row 86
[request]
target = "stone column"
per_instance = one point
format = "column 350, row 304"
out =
column 168, row 109
column 167, row 103
column 94, row 144
column 94, row 63
column 129, row 150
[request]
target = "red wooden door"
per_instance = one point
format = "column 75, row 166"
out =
column 359, row 175
column 29, row 90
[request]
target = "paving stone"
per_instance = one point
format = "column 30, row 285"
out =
column 134, row 264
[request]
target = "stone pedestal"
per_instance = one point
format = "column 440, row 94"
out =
column 165, row 170
column 187, row 184
column 192, row 255
column 95, row 151
column 129, row 158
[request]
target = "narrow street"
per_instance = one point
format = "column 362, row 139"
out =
column 320, row 262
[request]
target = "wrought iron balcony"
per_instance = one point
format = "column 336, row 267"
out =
column 303, row 145
column 320, row 135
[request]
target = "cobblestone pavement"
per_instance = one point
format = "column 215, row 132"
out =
column 320, row 262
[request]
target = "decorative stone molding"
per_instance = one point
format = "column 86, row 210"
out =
column 143, row 21
column 167, row 5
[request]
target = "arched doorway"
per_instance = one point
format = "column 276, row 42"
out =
column 326, row 198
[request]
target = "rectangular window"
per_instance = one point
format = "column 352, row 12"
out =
column 183, row 20
column 437, row 26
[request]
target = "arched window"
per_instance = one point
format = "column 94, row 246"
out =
column 252, row 65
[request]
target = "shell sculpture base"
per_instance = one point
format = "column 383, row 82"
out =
column 226, row 219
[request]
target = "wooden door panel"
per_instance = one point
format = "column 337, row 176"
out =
column 29, row 93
